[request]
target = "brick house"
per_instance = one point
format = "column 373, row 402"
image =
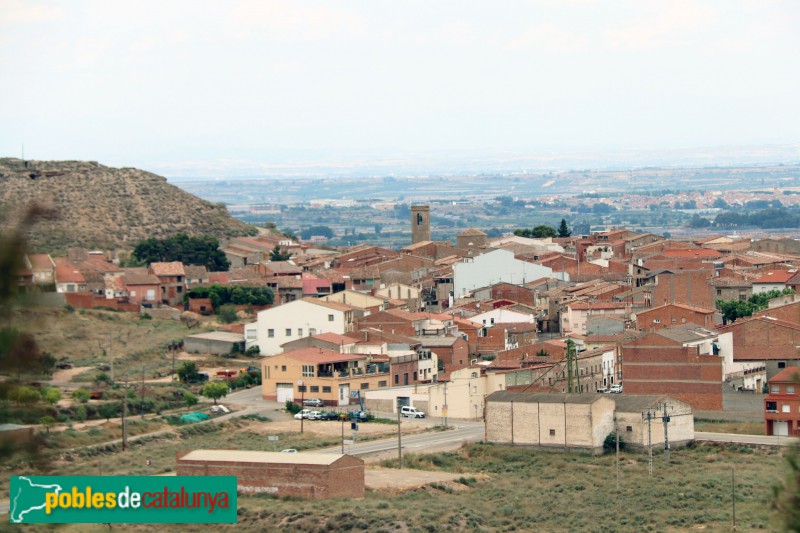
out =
column 172, row 278
column 782, row 404
column 671, row 315
column 766, row 340
column 142, row 288
column 684, row 287
column 313, row 476
column 680, row 362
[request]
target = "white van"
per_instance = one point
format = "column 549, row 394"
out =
column 411, row 412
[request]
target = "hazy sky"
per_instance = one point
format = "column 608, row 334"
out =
column 166, row 82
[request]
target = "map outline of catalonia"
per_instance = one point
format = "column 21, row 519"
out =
column 17, row 517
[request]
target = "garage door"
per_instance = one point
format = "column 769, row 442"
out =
column 780, row 429
column 285, row 392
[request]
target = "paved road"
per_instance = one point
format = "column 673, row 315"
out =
column 437, row 441
column 746, row 439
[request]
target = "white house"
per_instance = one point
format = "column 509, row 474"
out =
column 773, row 281
column 496, row 266
column 503, row 316
column 295, row 320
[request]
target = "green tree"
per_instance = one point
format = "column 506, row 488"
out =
column 188, row 372
column 215, row 390
column 108, row 410
column 539, row 232
column 189, row 399
column 80, row 413
column 47, row 421
column 277, row 255
column 51, row 395
column 81, row 395
column 322, row 231
column 563, row 230
column 227, row 314
column 203, row 250
column 786, row 496
column 25, row 395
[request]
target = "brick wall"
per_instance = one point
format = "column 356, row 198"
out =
column 671, row 315
column 343, row 479
column 690, row 288
column 655, row 365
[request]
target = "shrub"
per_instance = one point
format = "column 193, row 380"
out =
column 292, row 407
column 610, row 442
column 81, row 395
column 69, row 309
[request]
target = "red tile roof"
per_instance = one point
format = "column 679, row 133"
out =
column 175, row 268
column 787, row 375
column 776, row 276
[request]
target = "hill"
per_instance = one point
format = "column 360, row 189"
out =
column 103, row 207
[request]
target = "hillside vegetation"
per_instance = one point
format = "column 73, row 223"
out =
column 103, row 207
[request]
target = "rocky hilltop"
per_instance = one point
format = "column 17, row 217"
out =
column 102, row 207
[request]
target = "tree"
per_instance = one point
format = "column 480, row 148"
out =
column 25, row 395
column 47, row 421
column 277, row 255
column 81, row 395
column 227, row 314
column 699, row 222
column 188, row 372
column 320, row 231
column 215, row 390
column 563, row 230
column 108, row 410
column 786, row 497
column 51, row 395
column 538, row 232
column 189, row 399
column 203, row 250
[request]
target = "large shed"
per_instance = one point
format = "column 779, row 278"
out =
column 571, row 422
column 633, row 424
column 215, row 342
column 306, row 475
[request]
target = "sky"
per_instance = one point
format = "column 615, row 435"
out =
column 180, row 86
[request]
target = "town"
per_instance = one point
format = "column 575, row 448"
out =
column 569, row 343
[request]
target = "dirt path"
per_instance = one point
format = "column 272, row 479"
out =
column 395, row 479
column 66, row 375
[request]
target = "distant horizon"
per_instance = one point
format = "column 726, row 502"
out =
column 374, row 87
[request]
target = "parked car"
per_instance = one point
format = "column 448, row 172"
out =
column 328, row 415
column 313, row 402
column 302, row 414
column 601, row 391
column 411, row 412
column 315, row 415
column 289, row 450
column 616, row 389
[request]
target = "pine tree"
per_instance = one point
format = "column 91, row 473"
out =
column 563, row 230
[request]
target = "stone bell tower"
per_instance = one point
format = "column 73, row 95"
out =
column 420, row 223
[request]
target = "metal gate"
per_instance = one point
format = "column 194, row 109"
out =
column 285, row 392
column 780, row 429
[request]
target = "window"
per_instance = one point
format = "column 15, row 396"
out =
column 364, row 386
column 251, row 334
column 299, row 332
column 656, row 321
column 288, row 332
column 330, row 318
column 786, row 408
column 629, row 428
column 283, row 368
column 396, row 379
column 415, row 376
column 180, row 289
column 789, row 389
column 326, row 389
column 772, row 407
column 719, row 292
column 308, row 371
column 781, row 364
column 382, row 383
column 312, row 331
column 270, row 333
column 314, row 388
column 552, row 432
column 775, row 389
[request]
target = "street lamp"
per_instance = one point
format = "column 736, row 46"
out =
column 302, row 401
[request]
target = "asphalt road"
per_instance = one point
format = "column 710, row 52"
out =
column 746, row 439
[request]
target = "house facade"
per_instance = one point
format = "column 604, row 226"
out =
column 295, row 320
column 782, row 404
column 172, row 278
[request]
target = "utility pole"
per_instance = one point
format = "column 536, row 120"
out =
column 302, row 402
column 142, row 400
column 444, row 407
column 399, row 440
column 342, row 435
column 649, row 443
column 733, row 496
column 124, row 413
column 616, row 434
column 665, row 420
